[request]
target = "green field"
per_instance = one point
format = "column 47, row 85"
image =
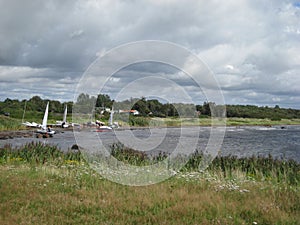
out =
column 171, row 121
column 41, row 185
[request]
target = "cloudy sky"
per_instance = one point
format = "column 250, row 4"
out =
column 252, row 46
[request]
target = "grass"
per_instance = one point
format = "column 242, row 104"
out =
column 41, row 185
column 260, row 122
column 205, row 121
column 7, row 123
column 227, row 167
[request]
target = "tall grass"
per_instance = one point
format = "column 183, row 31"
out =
column 38, row 153
column 258, row 168
column 228, row 167
column 7, row 123
column 39, row 184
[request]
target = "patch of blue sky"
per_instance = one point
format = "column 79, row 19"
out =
column 296, row 4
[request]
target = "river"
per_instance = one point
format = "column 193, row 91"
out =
column 280, row 142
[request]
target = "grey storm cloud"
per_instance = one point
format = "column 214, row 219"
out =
column 252, row 46
column 145, row 72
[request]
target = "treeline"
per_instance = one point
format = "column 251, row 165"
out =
column 86, row 103
column 251, row 111
column 33, row 107
column 152, row 107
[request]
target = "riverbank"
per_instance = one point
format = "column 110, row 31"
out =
column 10, row 124
column 23, row 132
column 221, row 122
column 44, row 186
column 15, row 134
column 26, row 133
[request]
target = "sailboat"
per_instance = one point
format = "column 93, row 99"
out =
column 102, row 127
column 110, row 126
column 111, row 122
column 63, row 123
column 45, row 131
column 28, row 124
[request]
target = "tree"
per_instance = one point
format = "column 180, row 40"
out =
column 85, row 104
column 83, row 99
column 103, row 100
column 170, row 110
column 155, row 107
column 36, row 104
column 141, row 106
column 206, row 109
column 56, row 106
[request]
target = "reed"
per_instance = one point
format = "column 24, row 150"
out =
column 134, row 157
column 7, row 123
column 138, row 121
column 229, row 167
column 226, row 167
column 39, row 184
column 258, row 168
column 38, row 153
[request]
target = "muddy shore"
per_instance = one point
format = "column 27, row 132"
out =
column 28, row 133
column 16, row 134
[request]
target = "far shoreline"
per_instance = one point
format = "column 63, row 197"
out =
column 29, row 132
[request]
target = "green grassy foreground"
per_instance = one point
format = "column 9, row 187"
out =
column 41, row 185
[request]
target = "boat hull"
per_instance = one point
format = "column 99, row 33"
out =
column 104, row 129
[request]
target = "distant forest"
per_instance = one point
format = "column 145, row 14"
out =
column 15, row 108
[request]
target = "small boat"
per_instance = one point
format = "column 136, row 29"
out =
column 111, row 125
column 103, row 129
column 63, row 123
column 45, row 131
column 28, row 124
